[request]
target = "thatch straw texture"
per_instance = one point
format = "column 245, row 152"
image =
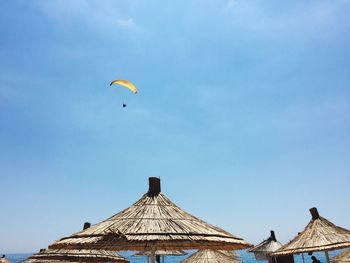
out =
column 343, row 257
column 83, row 255
column 265, row 248
column 319, row 235
column 152, row 223
column 54, row 261
column 161, row 253
column 211, row 256
column 231, row 254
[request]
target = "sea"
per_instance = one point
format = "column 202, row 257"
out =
column 244, row 255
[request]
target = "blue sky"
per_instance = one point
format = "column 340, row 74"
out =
column 243, row 111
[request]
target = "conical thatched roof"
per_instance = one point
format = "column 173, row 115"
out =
column 83, row 255
column 319, row 235
column 231, row 254
column 48, row 261
column 265, row 248
column 59, row 261
column 343, row 257
column 211, row 256
column 153, row 223
column 161, row 253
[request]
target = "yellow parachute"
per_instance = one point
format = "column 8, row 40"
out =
column 126, row 84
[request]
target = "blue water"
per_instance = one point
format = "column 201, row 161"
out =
column 245, row 257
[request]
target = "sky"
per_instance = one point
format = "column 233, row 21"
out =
column 243, row 112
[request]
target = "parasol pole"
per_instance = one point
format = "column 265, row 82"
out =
column 302, row 255
column 153, row 256
column 163, row 258
column 327, row 256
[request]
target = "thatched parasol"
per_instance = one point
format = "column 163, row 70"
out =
column 160, row 253
column 231, row 254
column 153, row 223
column 3, row 259
column 211, row 256
column 263, row 250
column 47, row 261
column 319, row 235
column 75, row 255
column 343, row 257
column 83, row 255
column 61, row 261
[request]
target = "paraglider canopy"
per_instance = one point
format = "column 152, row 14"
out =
column 126, row 84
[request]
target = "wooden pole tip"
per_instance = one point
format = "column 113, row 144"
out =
column 86, row 225
column 314, row 213
column 154, row 186
column 272, row 236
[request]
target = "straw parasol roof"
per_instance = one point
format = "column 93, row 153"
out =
column 319, row 235
column 3, row 259
column 47, row 261
column 161, row 253
column 231, row 254
column 265, row 248
column 153, row 223
column 59, row 261
column 83, row 255
column 211, row 256
column 343, row 257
